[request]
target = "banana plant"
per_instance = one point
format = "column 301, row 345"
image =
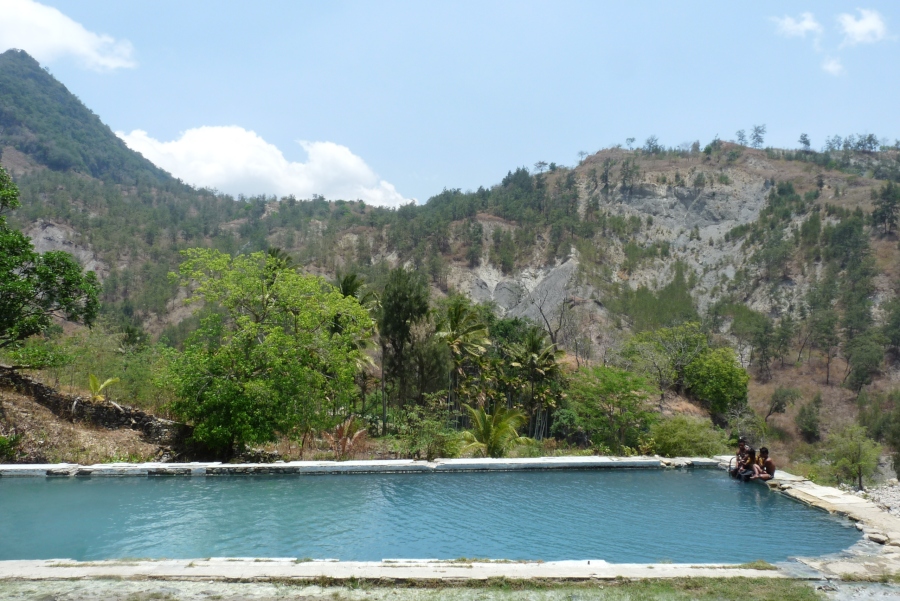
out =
column 97, row 388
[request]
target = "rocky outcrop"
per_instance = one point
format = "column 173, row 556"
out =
column 47, row 236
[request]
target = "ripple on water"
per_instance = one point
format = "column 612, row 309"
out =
column 689, row 516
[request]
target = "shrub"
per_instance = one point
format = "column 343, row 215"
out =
column 683, row 436
column 808, row 419
column 426, row 430
column 8, row 446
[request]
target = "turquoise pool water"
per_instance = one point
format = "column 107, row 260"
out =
column 617, row 515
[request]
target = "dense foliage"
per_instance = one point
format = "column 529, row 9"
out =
column 37, row 288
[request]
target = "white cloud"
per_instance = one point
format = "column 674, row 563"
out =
column 867, row 29
column 797, row 28
column 833, row 66
column 47, row 34
column 237, row 161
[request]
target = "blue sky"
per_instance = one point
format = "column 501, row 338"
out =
column 398, row 100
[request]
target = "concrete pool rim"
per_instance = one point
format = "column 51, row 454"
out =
column 876, row 525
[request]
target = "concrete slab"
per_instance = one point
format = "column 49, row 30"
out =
column 397, row 570
column 390, row 466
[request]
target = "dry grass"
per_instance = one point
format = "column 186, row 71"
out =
column 45, row 438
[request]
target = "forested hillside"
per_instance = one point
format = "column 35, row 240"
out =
column 654, row 269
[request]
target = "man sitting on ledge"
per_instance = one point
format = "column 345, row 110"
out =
column 765, row 468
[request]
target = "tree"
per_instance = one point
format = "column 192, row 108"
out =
column 757, row 136
column 741, row 137
column 37, row 288
column 784, row 333
column 540, row 166
column 804, row 142
column 539, row 363
column 652, row 145
column 808, row 419
column 404, row 303
column 824, row 335
column 612, row 405
column 493, row 434
column 865, row 353
column 887, row 207
column 266, row 362
column 763, row 348
column 467, row 338
column 780, row 400
column 853, row 454
column 716, row 379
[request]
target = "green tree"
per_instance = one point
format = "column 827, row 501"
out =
column 37, row 288
column 887, row 206
column 493, row 434
column 853, row 454
column 612, row 405
column 404, row 303
column 466, row 336
column 784, row 334
column 824, row 335
column 757, row 136
column 780, row 400
column 539, row 363
column 716, row 379
column 865, row 354
column 808, row 419
column 266, row 362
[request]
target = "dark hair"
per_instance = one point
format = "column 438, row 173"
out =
column 751, row 451
column 742, row 439
column 764, row 450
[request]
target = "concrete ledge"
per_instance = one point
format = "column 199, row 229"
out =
column 395, row 466
column 260, row 569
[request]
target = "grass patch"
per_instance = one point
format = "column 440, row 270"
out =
column 675, row 589
column 759, row 564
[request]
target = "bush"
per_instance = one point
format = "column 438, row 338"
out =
column 808, row 419
column 426, row 431
column 683, row 436
column 8, row 446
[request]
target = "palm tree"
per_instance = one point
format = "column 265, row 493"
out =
column 493, row 434
column 467, row 338
column 540, row 364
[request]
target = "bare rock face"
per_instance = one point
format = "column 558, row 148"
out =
column 47, row 236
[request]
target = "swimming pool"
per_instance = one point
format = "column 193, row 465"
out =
column 684, row 516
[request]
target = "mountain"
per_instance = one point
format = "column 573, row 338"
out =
column 628, row 239
column 42, row 119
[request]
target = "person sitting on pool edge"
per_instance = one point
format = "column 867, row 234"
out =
column 739, row 457
column 764, row 469
column 746, row 471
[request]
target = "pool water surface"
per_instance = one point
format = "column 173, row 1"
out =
column 622, row 516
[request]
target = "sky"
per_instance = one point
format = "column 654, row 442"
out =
column 393, row 101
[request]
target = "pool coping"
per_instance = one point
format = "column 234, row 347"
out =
column 870, row 560
column 382, row 466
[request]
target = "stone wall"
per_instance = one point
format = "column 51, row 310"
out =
column 159, row 431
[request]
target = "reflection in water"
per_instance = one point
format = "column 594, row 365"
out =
column 619, row 516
